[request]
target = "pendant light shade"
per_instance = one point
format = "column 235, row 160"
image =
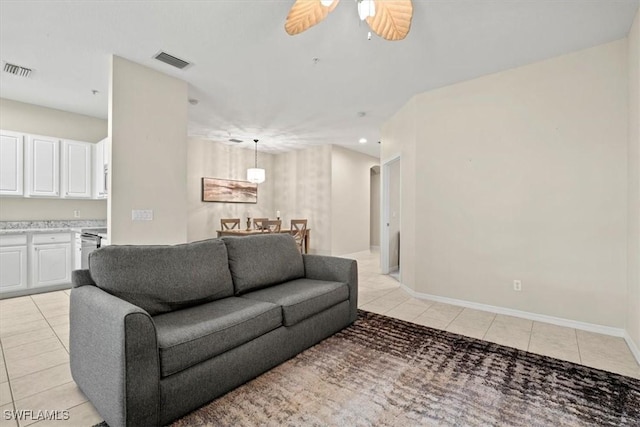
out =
column 255, row 174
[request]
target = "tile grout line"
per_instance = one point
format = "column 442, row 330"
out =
column 490, row 325
column 51, row 327
column 44, row 369
column 13, row 402
column 452, row 320
column 530, row 335
column 575, row 331
column 47, row 389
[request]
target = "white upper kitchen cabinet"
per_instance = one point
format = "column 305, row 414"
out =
column 11, row 163
column 76, row 169
column 42, row 167
column 100, row 168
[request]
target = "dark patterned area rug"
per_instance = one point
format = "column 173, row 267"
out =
column 386, row 372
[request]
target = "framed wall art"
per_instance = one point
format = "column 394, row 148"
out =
column 229, row 191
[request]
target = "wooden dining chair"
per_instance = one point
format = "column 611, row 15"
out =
column 230, row 223
column 299, row 232
column 271, row 225
column 257, row 223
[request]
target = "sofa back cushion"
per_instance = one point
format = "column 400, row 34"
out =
column 263, row 260
column 160, row 279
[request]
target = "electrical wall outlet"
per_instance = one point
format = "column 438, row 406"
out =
column 517, row 285
column 142, row 215
column 76, row 213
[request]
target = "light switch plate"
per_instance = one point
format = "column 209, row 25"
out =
column 142, row 215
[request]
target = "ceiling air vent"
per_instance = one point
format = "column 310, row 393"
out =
column 16, row 70
column 172, row 60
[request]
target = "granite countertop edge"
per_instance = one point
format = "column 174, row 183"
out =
column 51, row 226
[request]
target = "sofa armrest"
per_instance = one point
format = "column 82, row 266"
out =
column 321, row 267
column 81, row 278
column 114, row 357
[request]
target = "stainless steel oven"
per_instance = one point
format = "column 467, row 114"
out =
column 90, row 240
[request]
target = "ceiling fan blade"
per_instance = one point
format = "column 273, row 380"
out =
column 304, row 14
column 392, row 20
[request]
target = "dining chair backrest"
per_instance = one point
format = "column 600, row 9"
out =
column 271, row 225
column 230, row 223
column 299, row 231
column 257, row 223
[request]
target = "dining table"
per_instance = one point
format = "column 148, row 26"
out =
column 250, row 232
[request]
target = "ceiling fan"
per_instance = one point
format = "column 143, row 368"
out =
column 390, row 19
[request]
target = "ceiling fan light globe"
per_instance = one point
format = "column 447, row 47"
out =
column 366, row 8
column 255, row 175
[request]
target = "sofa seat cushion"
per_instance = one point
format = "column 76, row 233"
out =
column 163, row 278
column 302, row 298
column 190, row 336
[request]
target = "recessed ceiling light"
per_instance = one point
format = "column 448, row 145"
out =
column 362, row 140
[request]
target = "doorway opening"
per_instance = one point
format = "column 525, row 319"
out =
column 391, row 224
column 374, row 197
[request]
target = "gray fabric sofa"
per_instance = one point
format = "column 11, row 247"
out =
column 157, row 331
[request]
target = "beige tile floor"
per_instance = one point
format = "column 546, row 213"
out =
column 34, row 340
column 382, row 294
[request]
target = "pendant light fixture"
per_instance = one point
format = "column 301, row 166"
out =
column 254, row 174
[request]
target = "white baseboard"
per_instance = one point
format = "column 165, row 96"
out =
column 632, row 346
column 583, row 326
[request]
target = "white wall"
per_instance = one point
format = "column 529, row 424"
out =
column 212, row 159
column 28, row 118
column 350, row 200
column 148, row 131
column 633, row 248
column 523, row 176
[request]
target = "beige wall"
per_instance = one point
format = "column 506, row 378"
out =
column 28, row 118
column 633, row 248
column 148, row 131
column 523, row 176
column 303, row 182
column 350, row 200
column 212, row 159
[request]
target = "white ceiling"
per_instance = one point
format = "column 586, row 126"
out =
column 255, row 81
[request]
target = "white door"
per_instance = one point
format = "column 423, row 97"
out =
column 11, row 163
column 13, row 268
column 51, row 264
column 76, row 169
column 43, row 166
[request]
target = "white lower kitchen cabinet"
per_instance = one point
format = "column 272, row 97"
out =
column 13, row 263
column 51, row 259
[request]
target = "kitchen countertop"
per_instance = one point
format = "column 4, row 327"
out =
column 37, row 227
